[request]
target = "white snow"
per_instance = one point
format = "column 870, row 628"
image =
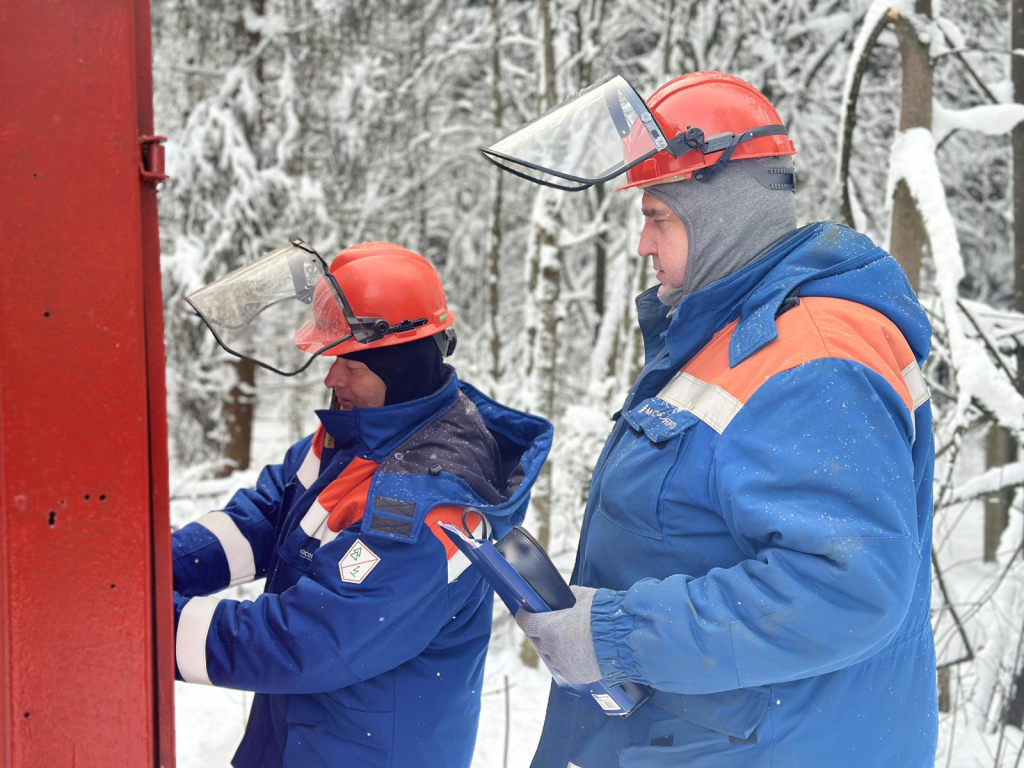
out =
column 874, row 13
column 992, row 481
column 912, row 160
column 989, row 119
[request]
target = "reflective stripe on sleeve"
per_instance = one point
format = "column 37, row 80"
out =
column 237, row 550
column 916, row 384
column 708, row 402
column 458, row 563
column 315, row 520
column 310, row 469
column 190, row 643
column 919, row 394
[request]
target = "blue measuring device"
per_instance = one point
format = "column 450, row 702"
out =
column 523, row 576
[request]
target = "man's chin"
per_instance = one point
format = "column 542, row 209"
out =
column 341, row 404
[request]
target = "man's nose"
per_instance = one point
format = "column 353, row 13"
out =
column 335, row 376
column 646, row 246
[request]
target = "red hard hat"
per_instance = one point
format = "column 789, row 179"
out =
column 715, row 103
column 379, row 280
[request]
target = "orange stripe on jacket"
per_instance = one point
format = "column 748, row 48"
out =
column 817, row 328
column 318, row 442
column 345, row 498
column 450, row 513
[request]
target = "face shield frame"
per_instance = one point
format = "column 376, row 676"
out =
column 692, row 138
column 623, row 127
column 364, row 330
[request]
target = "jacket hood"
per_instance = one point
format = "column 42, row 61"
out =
column 475, row 452
column 821, row 259
column 840, row 263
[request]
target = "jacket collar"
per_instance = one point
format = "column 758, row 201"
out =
column 375, row 432
column 745, row 294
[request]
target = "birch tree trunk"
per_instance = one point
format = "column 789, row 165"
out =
column 1015, row 708
column 1000, row 449
column 237, row 414
column 1017, row 70
column 546, row 287
column 908, row 235
column 493, row 274
column 544, row 283
column 238, row 407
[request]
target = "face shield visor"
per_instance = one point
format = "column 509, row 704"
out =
column 596, row 135
column 254, row 311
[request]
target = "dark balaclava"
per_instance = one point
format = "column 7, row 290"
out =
column 729, row 221
column 410, row 371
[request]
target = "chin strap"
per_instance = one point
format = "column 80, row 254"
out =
column 446, row 341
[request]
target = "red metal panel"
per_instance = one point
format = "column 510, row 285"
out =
column 83, row 491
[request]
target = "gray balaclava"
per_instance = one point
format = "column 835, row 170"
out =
column 729, row 221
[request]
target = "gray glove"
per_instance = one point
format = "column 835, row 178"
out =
column 563, row 638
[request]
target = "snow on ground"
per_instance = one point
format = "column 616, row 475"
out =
column 989, row 604
column 208, row 724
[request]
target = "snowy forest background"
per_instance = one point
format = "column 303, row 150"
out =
column 340, row 122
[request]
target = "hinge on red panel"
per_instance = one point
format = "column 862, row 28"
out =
column 152, row 166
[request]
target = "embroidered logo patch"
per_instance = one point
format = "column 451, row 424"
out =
column 357, row 563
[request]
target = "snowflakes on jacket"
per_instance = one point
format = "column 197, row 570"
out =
column 759, row 525
column 370, row 627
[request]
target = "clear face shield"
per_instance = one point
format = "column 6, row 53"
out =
column 590, row 138
column 254, row 311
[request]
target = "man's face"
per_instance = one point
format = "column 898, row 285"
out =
column 355, row 385
column 664, row 239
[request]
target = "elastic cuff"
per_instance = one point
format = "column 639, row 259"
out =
column 610, row 627
column 198, row 561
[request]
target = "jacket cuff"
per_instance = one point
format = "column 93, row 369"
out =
column 610, row 628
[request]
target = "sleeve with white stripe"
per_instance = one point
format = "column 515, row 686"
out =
column 233, row 545
column 365, row 607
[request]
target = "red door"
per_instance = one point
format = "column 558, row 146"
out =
column 85, row 636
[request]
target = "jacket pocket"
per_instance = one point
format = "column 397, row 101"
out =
column 733, row 713
column 320, row 735
column 635, row 474
column 707, row 731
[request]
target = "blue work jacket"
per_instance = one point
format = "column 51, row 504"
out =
column 367, row 647
column 759, row 526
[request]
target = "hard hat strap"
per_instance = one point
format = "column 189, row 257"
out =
column 446, row 341
column 726, row 143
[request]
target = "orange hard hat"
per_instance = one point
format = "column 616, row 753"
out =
column 696, row 109
column 394, row 295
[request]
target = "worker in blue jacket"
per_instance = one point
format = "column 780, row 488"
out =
column 756, row 544
column 367, row 646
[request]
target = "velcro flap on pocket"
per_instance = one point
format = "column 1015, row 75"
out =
column 659, row 420
column 735, row 713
